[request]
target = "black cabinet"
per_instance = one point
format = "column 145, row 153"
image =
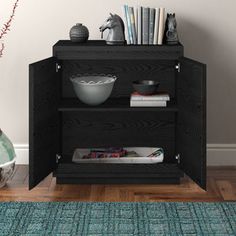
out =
column 60, row 123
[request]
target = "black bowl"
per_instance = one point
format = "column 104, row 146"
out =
column 145, row 87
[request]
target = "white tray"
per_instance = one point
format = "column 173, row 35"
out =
column 141, row 159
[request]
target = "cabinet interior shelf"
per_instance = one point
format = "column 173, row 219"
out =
column 112, row 104
column 68, row 171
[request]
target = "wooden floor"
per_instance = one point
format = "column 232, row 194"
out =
column 221, row 186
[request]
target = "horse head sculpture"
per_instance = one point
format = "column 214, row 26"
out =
column 171, row 35
column 116, row 28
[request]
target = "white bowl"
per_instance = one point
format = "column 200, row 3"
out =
column 93, row 89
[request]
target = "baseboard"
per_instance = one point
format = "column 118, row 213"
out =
column 217, row 154
column 22, row 154
column 221, row 154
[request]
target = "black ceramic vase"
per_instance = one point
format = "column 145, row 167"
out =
column 79, row 33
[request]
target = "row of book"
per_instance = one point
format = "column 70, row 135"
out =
column 156, row 100
column 144, row 25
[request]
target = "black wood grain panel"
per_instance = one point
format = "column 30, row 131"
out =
column 67, row 166
column 191, row 127
column 43, row 119
column 119, row 129
column 113, row 104
column 126, row 72
column 60, row 127
column 135, row 180
column 97, row 49
column 118, row 173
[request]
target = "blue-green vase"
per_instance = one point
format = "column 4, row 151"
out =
column 7, row 159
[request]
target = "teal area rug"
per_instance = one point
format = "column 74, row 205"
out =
column 152, row 219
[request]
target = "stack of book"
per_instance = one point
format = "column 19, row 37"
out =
column 156, row 100
column 144, row 25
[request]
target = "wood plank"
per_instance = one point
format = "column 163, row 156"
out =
column 20, row 174
column 78, row 192
column 112, row 194
column 226, row 189
column 126, row 196
column 220, row 187
column 97, row 193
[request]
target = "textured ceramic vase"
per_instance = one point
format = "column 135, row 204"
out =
column 79, row 33
column 7, row 159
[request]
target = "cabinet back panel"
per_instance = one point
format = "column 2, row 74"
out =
column 87, row 130
column 126, row 71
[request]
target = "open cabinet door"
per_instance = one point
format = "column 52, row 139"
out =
column 191, row 119
column 43, row 119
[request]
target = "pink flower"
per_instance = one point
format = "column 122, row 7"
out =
column 6, row 27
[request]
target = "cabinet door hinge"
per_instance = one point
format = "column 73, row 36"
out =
column 58, row 67
column 177, row 67
column 58, row 157
column 177, row 157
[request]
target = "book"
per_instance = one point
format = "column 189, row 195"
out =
column 132, row 21
column 151, row 24
column 129, row 24
column 147, row 103
column 136, row 22
column 139, row 25
column 156, row 26
column 161, row 26
column 145, row 24
column 156, row 97
column 126, row 24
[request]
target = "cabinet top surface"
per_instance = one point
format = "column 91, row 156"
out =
column 98, row 49
column 102, row 43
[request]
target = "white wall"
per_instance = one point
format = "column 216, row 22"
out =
column 206, row 28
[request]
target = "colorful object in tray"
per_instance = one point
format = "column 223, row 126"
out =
column 127, row 155
column 156, row 153
column 106, row 153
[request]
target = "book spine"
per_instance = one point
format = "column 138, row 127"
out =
column 145, row 21
column 151, row 24
column 148, row 103
column 156, row 26
column 133, row 28
column 126, row 25
column 129, row 24
column 136, row 22
column 161, row 26
column 139, row 25
column 142, row 98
